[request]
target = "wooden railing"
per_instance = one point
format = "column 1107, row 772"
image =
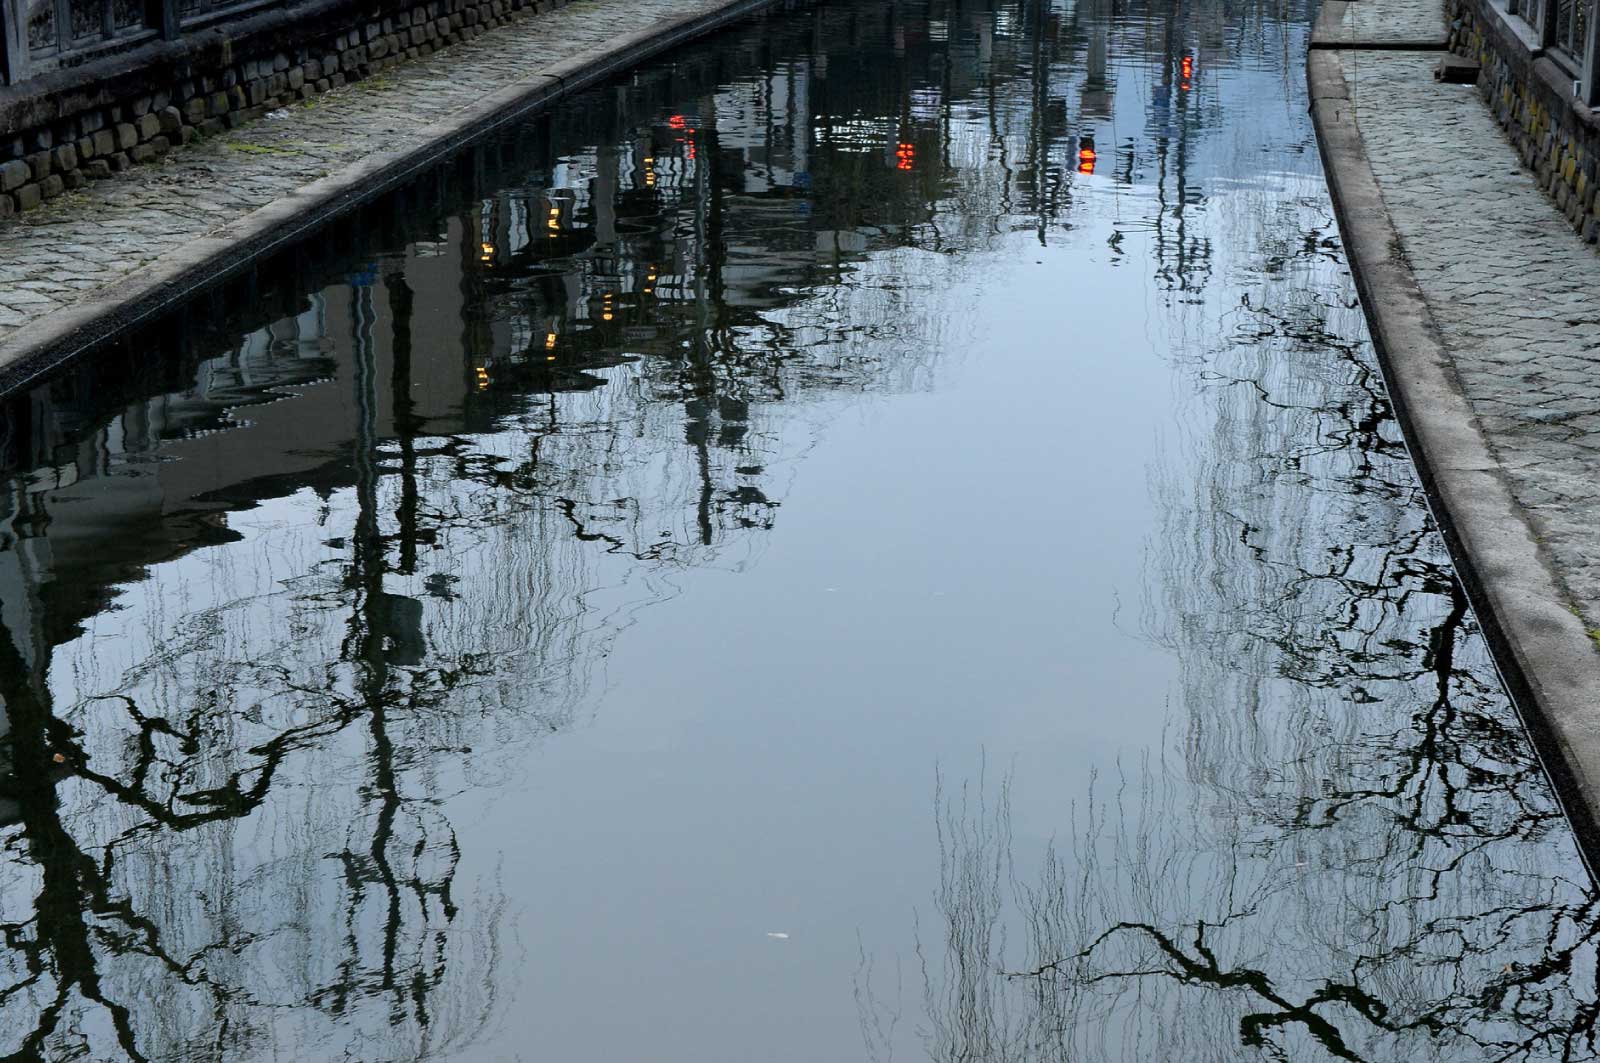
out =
column 44, row 35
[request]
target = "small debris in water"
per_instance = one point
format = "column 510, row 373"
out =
column 777, row 934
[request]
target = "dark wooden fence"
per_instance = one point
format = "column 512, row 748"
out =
column 45, row 35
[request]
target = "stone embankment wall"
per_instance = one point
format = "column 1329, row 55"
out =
column 71, row 126
column 1530, row 88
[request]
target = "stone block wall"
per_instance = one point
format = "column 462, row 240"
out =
column 1530, row 91
column 81, row 125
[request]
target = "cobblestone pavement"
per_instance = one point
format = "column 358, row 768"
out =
column 1510, row 288
column 91, row 239
column 1377, row 21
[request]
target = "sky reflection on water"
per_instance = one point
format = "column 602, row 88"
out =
column 879, row 535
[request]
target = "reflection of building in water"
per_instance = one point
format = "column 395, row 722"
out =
column 275, row 600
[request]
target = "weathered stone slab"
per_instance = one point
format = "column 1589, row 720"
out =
column 1456, row 71
column 14, row 174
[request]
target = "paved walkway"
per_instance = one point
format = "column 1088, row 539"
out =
column 80, row 247
column 1482, row 304
column 1381, row 23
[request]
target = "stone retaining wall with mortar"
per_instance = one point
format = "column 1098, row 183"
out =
column 72, row 126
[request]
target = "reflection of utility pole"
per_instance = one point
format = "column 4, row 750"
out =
column 1096, row 100
column 992, row 108
column 709, row 302
column 1038, row 155
column 405, row 420
column 1181, row 110
column 367, row 566
column 372, row 620
column 946, row 95
column 1176, row 128
column 603, row 198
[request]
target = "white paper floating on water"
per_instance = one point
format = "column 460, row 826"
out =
column 777, row 934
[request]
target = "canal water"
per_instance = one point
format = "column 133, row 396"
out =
column 879, row 536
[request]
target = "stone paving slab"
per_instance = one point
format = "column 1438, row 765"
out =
column 70, row 259
column 1381, row 24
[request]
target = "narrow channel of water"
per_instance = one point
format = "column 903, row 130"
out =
column 878, row 537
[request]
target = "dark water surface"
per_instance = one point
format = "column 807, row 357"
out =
column 879, row 537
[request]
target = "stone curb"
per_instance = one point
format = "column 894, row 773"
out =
column 1547, row 660
column 1342, row 45
column 40, row 345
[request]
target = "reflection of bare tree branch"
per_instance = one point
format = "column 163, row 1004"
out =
column 1356, row 855
column 1084, row 991
column 58, row 943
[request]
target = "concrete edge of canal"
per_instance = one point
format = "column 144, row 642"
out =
column 171, row 279
column 1546, row 656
